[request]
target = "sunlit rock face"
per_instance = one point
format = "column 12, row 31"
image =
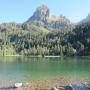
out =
column 42, row 16
column 42, row 13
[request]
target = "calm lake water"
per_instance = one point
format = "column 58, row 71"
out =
column 24, row 69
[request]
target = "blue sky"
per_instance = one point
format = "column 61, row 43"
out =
column 20, row 10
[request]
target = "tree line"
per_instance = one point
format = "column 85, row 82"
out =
column 68, row 42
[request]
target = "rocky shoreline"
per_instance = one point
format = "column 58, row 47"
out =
column 48, row 84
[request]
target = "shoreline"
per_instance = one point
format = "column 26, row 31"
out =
column 39, row 56
column 49, row 83
column 33, row 56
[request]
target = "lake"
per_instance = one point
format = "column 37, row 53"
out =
column 24, row 69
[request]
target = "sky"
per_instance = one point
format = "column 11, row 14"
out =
column 20, row 10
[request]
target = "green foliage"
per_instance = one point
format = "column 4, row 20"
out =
column 36, row 40
column 80, row 39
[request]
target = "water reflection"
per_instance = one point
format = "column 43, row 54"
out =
column 15, row 69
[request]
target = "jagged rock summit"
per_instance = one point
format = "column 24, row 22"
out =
column 43, row 17
column 42, row 13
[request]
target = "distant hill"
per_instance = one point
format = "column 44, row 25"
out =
column 85, row 20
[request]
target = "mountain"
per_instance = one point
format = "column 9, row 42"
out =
column 43, row 17
column 41, row 21
column 85, row 20
column 45, row 34
column 42, row 13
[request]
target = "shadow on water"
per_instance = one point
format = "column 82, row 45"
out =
column 8, row 88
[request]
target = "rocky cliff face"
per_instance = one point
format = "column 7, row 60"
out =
column 42, row 16
column 42, row 13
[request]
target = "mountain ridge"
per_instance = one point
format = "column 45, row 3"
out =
column 43, row 17
column 85, row 20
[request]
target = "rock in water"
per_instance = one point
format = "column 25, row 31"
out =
column 17, row 85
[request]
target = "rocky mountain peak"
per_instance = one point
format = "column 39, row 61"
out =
column 41, row 13
column 43, row 9
column 43, row 17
